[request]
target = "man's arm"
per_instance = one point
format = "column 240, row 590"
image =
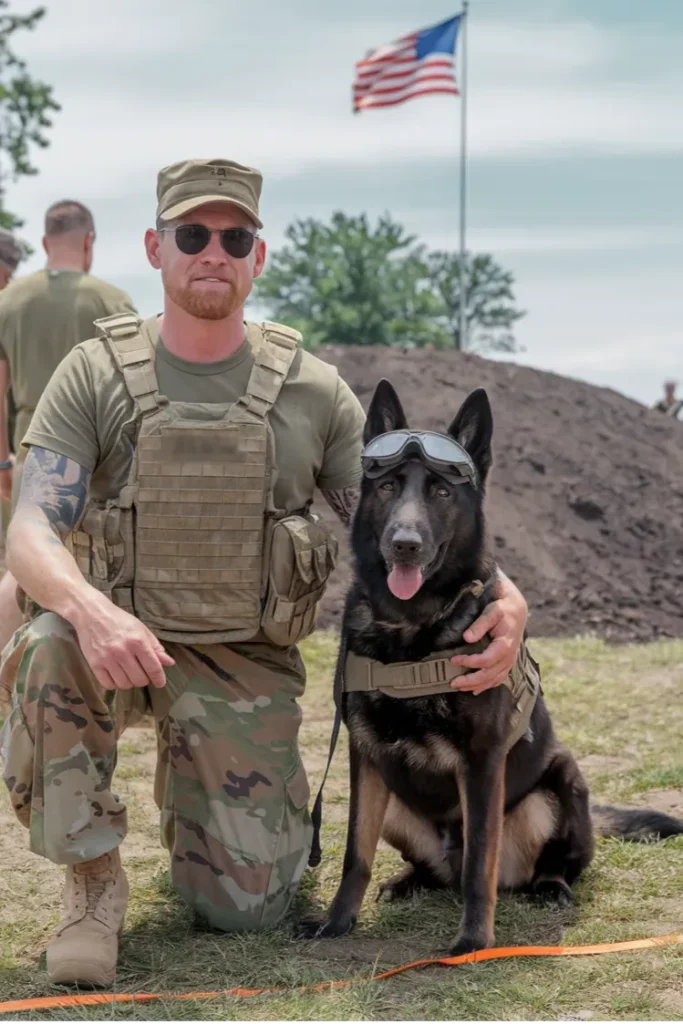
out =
column 343, row 502
column 119, row 649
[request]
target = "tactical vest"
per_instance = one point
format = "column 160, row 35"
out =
column 435, row 675
column 193, row 545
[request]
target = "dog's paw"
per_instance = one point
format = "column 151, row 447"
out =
column 399, row 887
column 553, row 891
column 469, row 944
column 315, row 929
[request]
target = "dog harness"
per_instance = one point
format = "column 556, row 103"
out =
column 427, row 678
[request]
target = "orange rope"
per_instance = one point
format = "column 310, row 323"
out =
column 108, row 998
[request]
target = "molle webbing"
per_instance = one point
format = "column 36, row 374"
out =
column 134, row 357
column 271, row 366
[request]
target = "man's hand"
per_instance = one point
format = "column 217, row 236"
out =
column 505, row 620
column 6, row 484
column 120, row 650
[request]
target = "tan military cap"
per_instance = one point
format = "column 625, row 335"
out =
column 184, row 186
column 10, row 253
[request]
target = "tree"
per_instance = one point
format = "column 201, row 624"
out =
column 354, row 284
column 490, row 312
column 350, row 283
column 25, row 106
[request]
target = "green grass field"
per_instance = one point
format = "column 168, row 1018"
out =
column 620, row 709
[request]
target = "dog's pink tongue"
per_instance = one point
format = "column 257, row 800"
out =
column 405, row 581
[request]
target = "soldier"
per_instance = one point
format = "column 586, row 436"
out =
column 669, row 404
column 166, row 538
column 42, row 317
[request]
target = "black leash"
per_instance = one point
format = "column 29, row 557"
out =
column 317, row 813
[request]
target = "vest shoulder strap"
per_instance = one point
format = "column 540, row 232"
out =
column 134, row 357
column 119, row 325
column 272, row 362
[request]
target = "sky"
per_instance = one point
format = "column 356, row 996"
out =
column 575, row 147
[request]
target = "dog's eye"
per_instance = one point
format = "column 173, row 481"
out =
column 443, row 492
column 388, row 485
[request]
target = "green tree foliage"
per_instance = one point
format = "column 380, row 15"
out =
column 354, row 284
column 25, row 108
column 490, row 311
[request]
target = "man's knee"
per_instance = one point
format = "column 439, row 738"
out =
column 247, row 882
column 48, row 625
column 242, row 908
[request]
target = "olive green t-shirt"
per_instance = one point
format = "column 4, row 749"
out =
column 87, row 415
column 42, row 317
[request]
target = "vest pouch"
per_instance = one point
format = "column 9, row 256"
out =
column 303, row 553
column 525, row 685
column 102, row 547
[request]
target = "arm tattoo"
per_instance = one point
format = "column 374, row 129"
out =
column 343, row 502
column 57, row 486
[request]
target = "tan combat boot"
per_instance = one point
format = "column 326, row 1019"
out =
column 85, row 947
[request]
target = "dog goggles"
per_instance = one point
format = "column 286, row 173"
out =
column 438, row 451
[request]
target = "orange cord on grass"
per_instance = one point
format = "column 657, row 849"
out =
column 500, row 953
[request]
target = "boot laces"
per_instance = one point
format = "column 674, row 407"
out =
column 95, row 891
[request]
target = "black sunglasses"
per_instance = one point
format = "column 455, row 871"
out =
column 191, row 239
column 439, row 451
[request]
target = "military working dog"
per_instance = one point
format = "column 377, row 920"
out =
column 476, row 792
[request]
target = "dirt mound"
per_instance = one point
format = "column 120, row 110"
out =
column 586, row 492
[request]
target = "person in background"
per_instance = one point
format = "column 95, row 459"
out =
column 669, row 404
column 42, row 317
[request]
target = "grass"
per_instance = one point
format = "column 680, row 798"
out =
column 618, row 708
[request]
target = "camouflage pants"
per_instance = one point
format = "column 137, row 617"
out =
column 230, row 784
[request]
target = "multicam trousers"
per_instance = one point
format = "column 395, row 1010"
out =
column 230, row 784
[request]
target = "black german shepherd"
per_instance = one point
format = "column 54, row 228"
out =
column 431, row 774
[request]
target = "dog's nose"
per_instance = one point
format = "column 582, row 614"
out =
column 406, row 542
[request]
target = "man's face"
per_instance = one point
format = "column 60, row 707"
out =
column 211, row 285
column 5, row 276
column 669, row 392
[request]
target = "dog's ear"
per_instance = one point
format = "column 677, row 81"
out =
column 473, row 429
column 385, row 412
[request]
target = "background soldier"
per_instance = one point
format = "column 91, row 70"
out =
column 669, row 404
column 203, row 541
column 42, row 317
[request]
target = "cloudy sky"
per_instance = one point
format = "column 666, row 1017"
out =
column 575, row 146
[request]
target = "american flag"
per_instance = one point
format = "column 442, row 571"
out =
column 419, row 64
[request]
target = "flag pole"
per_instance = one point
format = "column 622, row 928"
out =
column 462, row 333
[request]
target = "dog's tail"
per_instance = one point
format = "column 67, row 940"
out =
column 636, row 825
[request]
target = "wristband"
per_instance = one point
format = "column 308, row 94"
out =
column 7, row 464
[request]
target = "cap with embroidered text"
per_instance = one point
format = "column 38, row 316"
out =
column 185, row 186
